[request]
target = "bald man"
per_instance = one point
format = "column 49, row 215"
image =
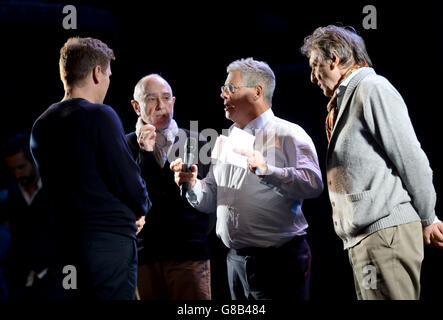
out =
column 174, row 262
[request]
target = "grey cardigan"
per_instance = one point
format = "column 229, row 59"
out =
column 377, row 174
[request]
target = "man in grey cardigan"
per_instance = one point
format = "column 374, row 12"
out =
column 378, row 177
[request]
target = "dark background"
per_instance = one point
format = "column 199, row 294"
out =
column 191, row 43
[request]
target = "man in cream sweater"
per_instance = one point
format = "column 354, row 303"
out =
column 378, row 177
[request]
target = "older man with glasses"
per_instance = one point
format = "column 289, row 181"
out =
column 174, row 262
column 259, row 216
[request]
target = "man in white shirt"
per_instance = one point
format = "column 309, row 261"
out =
column 259, row 214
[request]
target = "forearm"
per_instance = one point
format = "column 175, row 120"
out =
column 203, row 197
column 295, row 183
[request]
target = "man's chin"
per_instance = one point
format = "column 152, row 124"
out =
column 162, row 124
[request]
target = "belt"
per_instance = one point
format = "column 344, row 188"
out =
column 261, row 251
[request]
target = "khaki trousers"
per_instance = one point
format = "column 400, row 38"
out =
column 387, row 263
column 187, row 280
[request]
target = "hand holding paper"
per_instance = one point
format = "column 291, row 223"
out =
column 238, row 149
column 256, row 163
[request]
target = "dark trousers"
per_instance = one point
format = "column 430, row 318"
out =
column 270, row 273
column 107, row 267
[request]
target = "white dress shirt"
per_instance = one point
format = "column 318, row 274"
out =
column 263, row 212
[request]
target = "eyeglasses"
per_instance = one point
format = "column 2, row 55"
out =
column 231, row 88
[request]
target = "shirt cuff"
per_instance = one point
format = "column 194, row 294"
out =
column 192, row 195
column 274, row 176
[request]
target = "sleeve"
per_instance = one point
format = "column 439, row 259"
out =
column 387, row 117
column 300, row 176
column 122, row 172
column 203, row 196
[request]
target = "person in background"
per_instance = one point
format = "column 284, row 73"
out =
column 27, row 211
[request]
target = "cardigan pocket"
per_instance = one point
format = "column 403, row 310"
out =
column 352, row 212
column 354, row 197
column 363, row 210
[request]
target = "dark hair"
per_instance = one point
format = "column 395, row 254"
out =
column 79, row 56
column 15, row 144
column 350, row 47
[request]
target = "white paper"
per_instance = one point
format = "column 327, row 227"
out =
column 224, row 147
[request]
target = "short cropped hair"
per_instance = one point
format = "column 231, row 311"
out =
column 79, row 56
column 255, row 72
column 16, row 144
column 350, row 47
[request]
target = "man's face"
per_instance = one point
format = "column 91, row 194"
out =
column 238, row 104
column 325, row 74
column 22, row 169
column 157, row 104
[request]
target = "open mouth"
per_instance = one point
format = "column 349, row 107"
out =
column 229, row 107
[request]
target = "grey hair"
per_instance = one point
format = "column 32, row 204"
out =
column 255, row 72
column 139, row 90
column 345, row 41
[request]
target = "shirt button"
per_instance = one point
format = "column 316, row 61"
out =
column 333, row 203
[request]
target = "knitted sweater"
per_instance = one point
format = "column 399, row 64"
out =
column 377, row 174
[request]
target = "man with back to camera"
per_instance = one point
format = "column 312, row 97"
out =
column 379, row 179
column 174, row 259
column 259, row 216
column 85, row 162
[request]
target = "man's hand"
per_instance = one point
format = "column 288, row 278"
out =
column 180, row 176
column 433, row 235
column 255, row 161
column 145, row 135
column 140, row 223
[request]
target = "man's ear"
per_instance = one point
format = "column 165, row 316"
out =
column 96, row 77
column 136, row 107
column 335, row 61
column 258, row 91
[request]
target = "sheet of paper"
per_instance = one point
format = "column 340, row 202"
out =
column 224, row 147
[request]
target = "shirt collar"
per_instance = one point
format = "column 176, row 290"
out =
column 26, row 195
column 342, row 88
column 259, row 122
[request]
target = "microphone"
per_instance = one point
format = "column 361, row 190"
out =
column 190, row 148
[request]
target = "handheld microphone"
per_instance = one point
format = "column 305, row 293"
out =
column 190, row 148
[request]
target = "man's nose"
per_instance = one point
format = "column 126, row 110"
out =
column 224, row 94
column 160, row 104
column 18, row 173
column 313, row 77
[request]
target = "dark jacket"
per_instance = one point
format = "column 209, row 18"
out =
column 174, row 231
column 33, row 233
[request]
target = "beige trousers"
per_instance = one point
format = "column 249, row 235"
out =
column 187, row 280
column 387, row 263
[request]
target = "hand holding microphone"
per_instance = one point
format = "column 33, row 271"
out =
column 185, row 172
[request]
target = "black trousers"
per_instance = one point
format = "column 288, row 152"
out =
column 107, row 267
column 270, row 273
